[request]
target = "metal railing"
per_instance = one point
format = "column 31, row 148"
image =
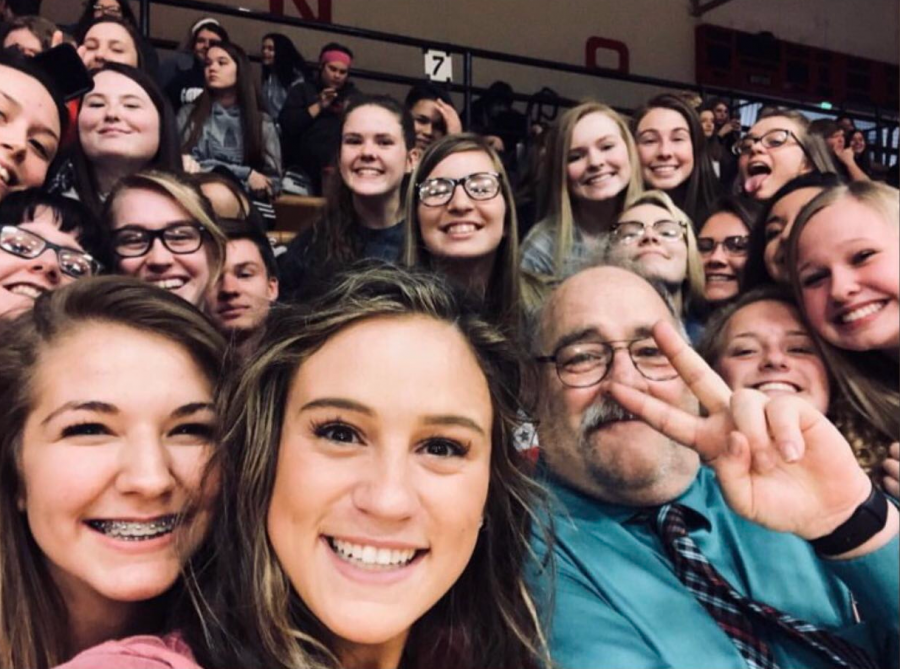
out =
column 883, row 119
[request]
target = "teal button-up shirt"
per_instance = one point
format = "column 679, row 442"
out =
column 617, row 602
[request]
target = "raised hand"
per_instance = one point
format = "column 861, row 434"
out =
column 779, row 462
column 327, row 97
column 452, row 122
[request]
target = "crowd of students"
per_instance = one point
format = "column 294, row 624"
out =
column 400, row 440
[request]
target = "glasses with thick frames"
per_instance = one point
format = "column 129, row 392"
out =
column 585, row 364
column 770, row 140
column 179, row 238
column 25, row 244
column 629, row 232
column 439, row 191
column 735, row 245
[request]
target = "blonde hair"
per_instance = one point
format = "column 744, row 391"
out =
column 503, row 289
column 866, row 379
column 557, row 199
column 693, row 286
column 189, row 197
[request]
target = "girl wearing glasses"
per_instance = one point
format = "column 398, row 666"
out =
column 674, row 156
column 722, row 243
column 164, row 232
column 593, row 174
column 42, row 247
column 658, row 237
column 125, row 125
column 461, row 220
column 779, row 148
column 363, row 215
column 108, row 387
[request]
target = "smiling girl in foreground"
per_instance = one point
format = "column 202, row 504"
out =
column 373, row 507
column 848, row 292
column 107, row 387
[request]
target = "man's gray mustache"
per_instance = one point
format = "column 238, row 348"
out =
column 605, row 410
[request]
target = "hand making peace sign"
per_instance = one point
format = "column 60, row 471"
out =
column 779, row 462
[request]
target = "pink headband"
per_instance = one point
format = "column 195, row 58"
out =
column 333, row 55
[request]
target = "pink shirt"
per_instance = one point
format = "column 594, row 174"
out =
column 137, row 652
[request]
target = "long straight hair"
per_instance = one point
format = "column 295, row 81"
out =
column 501, row 296
column 699, row 191
column 248, row 103
column 557, row 202
column 288, row 61
column 34, row 621
column 335, row 236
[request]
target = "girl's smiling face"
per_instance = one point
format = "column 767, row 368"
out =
column 382, row 476
column 112, row 456
column 850, row 285
column 598, row 167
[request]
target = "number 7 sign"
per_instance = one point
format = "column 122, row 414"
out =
column 438, row 65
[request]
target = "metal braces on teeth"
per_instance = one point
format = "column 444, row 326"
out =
column 134, row 531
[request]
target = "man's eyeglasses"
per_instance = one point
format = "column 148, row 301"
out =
column 585, row 364
column 770, row 140
column 25, row 244
column 179, row 238
column 439, row 191
column 735, row 245
column 629, row 232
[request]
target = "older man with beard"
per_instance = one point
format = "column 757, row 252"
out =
column 660, row 561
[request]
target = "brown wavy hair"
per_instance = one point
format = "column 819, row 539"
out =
column 34, row 622
column 248, row 613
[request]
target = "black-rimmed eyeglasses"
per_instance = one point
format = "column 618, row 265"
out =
column 770, row 140
column 439, row 191
column 584, row 364
column 25, row 244
column 735, row 245
column 180, row 238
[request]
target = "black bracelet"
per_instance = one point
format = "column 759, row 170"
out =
column 868, row 520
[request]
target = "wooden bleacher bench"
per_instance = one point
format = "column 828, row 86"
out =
column 294, row 214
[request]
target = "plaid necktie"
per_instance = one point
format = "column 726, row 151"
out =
column 737, row 615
